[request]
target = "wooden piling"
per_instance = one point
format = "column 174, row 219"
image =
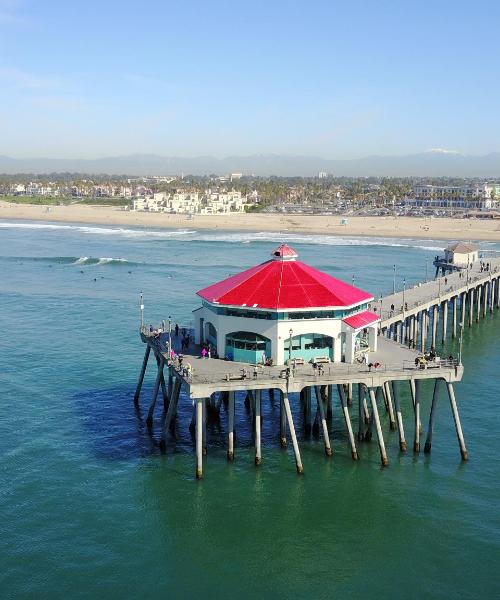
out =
column 399, row 417
column 435, row 395
column 321, row 409
column 381, row 444
column 141, row 376
column 291, row 427
column 456, row 418
column 347, row 419
column 204, row 428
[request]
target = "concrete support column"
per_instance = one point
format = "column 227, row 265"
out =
column 347, row 419
column 291, row 427
column 258, row 426
column 399, row 417
column 435, row 312
column 199, row 437
column 283, row 442
column 435, row 395
column 471, row 306
column 381, row 443
column 478, row 301
column 321, row 408
column 454, row 327
column 456, row 418
column 172, row 409
column 422, row 330
column 445, row 320
column 156, row 389
column 390, row 406
column 486, row 288
column 361, row 414
column 230, row 427
column 141, row 376
column 416, row 440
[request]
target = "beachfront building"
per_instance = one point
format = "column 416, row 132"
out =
column 284, row 309
column 481, row 196
column 461, row 253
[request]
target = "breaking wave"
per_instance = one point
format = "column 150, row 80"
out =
column 96, row 230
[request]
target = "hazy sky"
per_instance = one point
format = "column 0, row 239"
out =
column 329, row 78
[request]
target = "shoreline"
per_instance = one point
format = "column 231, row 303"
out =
column 487, row 230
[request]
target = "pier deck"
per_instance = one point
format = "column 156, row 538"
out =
column 397, row 362
column 426, row 295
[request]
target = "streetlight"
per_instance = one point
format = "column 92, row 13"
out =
column 394, row 280
column 142, row 310
column 426, row 264
column 353, row 279
column 404, row 289
column 290, row 347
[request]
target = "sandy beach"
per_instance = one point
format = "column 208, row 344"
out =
column 404, row 227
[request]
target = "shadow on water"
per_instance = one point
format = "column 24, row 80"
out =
column 117, row 430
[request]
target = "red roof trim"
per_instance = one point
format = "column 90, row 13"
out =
column 362, row 319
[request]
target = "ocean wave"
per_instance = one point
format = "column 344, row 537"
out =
column 317, row 239
column 96, row 230
column 71, row 260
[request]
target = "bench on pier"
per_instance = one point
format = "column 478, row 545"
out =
column 321, row 360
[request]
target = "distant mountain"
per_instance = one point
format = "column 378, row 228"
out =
column 434, row 163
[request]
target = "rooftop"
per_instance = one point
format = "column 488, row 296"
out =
column 284, row 283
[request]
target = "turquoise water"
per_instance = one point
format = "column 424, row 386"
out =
column 90, row 508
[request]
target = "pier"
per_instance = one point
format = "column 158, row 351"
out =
column 412, row 322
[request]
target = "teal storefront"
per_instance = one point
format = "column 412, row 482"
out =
column 245, row 346
column 309, row 346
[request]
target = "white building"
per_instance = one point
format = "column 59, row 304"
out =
column 461, row 253
column 474, row 196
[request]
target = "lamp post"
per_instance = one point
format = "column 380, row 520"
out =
column 142, row 310
column 290, row 347
column 353, row 279
column 394, row 280
column 426, row 265
column 404, row 290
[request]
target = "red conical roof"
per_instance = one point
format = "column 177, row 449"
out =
column 282, row 284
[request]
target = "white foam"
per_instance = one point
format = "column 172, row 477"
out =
column 87, row 229
column 81, row 260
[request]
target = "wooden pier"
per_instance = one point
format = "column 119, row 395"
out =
column 413, row 321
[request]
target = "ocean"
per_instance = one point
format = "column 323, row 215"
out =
column 90, row 507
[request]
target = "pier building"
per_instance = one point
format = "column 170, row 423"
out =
column 284, row 309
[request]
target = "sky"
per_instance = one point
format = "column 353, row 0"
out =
column 188, row 78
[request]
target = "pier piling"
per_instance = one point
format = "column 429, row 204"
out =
column 347, row 419
column 321, row 408
column 141, row 376
column 258, row 424
column 230, row 427
column 381, row 444
column 401, row 431
column 435, row 395
column 291, row 427
column 458, row 425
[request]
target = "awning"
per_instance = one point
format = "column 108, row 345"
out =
column 362, row 319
